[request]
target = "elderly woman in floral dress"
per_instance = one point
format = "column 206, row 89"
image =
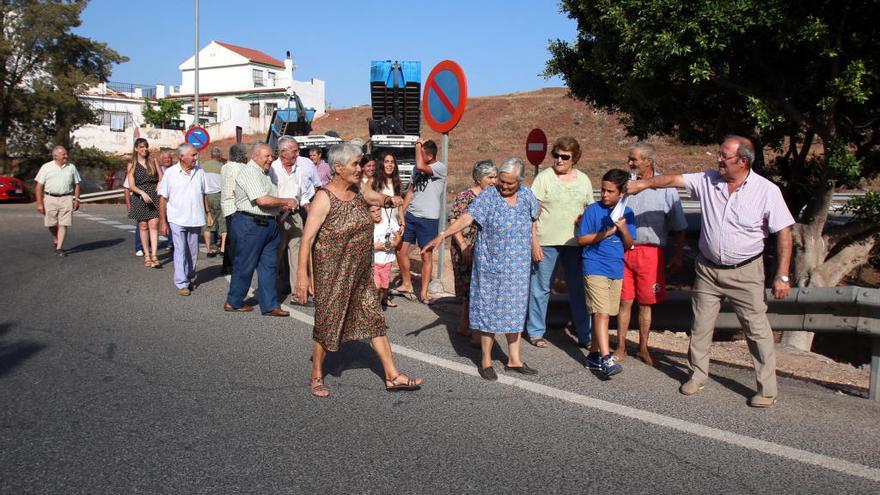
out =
column 506, row 245
column 346, row 304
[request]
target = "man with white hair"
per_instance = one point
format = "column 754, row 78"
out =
column 256, row 235
column 57, row 195
column 183, row 207
column 287, row 173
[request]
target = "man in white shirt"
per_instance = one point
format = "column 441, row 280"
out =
column 57, row 195
column 286, row 173
column 182, row 210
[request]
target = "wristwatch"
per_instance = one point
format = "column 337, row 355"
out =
column 784, row 279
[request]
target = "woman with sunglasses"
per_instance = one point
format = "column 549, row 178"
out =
column 563, row 192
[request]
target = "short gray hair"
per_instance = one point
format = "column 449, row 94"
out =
column 745, row 149
column 285, row 142
column 57, row 149
column 483, row 168
column 216, row 153
column 184, row 147
column 645, row 149
column 513, row 165
column 238, row 153
column 342, row 154
column 258, row 146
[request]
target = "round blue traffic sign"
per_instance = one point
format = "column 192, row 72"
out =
column 198, row 137
column 445, row 96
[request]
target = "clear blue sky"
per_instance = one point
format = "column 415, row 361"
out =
column 501, row 45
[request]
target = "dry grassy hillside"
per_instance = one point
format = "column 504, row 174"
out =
column 496, row 127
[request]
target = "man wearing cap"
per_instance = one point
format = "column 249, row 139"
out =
column 57, row 195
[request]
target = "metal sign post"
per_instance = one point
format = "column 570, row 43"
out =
column 444, row 100
column 196, row 92
column 442, row 226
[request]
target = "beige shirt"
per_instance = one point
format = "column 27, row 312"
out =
column 58, row 180
column 252, row 183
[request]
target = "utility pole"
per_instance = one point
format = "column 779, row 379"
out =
column 196, row 92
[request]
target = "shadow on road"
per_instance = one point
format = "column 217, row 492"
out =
column 91, row 246
column 353, row 355
column 12, row 354
column 679, row 372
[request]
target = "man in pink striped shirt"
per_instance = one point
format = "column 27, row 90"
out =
column 739, row 210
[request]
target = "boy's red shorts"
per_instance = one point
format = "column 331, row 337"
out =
column 644, row 275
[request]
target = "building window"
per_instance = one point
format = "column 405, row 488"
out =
column 271, row 79
column 255, row 110
column 118, row 121
column 270, row 107
column 258, row 78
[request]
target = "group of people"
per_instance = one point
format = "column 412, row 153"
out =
column 340, row 224
column 509, row 240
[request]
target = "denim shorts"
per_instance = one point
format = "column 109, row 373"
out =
column 421, row 230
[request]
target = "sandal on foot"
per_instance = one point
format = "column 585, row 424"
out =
column 403, row 293
column 318, row 389
column 539, row 342
column 409, row 383
column 390, row 304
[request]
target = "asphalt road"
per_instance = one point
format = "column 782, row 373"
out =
column 112, row 383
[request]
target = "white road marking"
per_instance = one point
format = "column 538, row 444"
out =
column 790, row 453
column 129, row 228
column 98, row 218
column 109, row 222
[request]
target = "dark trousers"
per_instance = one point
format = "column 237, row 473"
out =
column 229, row 252
column 256, row 248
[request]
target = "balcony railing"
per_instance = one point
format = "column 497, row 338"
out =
column 147, row 91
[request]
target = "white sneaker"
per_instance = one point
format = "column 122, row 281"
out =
column 139, row 253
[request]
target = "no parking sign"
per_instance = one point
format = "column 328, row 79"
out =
column 445, row 96
column 198, row 137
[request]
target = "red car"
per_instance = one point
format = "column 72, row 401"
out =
column 11, row 189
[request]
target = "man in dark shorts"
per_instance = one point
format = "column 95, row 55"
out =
column 422, row 203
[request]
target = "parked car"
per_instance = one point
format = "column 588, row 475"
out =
column 12, row 189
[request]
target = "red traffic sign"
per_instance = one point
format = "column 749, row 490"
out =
column 536, row 147
column 445, row 96
column 198, row 137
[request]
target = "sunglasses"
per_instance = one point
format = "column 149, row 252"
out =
column 564, row 156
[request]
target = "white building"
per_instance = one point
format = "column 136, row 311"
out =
column 238, row 87
column 119, row 108
column 241, row 87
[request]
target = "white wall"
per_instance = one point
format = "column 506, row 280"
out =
column 101, row 137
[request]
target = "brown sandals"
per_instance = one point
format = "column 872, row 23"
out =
column 318, row 389
column 407, row 383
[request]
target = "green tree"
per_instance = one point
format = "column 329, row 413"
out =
column 42, row 68
column 799, row 77
column 168, row 109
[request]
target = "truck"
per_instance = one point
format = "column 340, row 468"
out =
column 294, row 119
column 395, row 96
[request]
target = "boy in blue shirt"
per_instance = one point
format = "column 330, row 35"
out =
column 605, row 241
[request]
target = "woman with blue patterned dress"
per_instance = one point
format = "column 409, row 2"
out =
column 506, row 244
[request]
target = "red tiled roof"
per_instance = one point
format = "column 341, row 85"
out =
column 253, row 55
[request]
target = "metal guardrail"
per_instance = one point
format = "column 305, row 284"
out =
column 814, row 309
column 101, row 195
column 691, row 205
